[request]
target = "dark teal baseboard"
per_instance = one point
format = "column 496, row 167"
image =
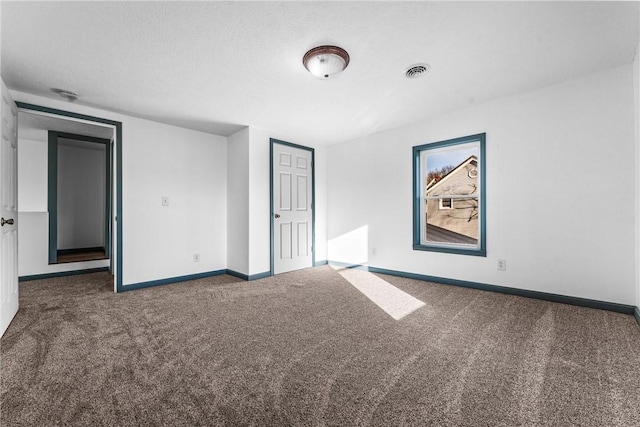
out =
column 348, row 265
column 319, row 263
column 260, row 275
column 194, row 277
column 150, row 283
column 170, row 280
column 249, row 277
column 582, row 302
column 61, row 274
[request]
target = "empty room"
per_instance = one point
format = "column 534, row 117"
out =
column 308, row 213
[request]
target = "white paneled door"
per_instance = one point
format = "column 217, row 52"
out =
column 292, row 208
column 9, row 211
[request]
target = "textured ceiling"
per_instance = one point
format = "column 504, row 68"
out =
column 31, row 125
column 218, row 66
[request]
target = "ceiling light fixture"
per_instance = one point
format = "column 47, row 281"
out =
column 66, row 94
column 324, row 62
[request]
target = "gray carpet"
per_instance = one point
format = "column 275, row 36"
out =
column 307, row 348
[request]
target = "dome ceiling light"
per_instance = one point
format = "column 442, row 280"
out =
column 324, row 62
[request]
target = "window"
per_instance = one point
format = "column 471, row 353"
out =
column 448, row 203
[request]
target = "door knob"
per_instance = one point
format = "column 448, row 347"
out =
column 277, row 216
column 6, row 221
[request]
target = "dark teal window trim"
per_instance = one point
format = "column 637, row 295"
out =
column 460, row 249
column 52, row 200
column 118, row 127
column 313, row 197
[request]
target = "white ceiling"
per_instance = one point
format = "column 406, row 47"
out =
column 219, row 66
column 32, row 124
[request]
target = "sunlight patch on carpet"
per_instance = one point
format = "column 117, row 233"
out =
column 395, row 302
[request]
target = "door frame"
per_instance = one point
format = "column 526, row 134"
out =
column 273, row 141
column 52, row 190
column 117, row 265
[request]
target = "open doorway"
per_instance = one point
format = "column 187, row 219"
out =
column 64, row 191
column 78, row 197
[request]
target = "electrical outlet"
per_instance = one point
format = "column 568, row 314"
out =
column 502, row 264
column 165, row 201
column 196, row 257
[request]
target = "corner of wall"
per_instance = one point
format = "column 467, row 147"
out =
column 238, row 201
column 259, row 202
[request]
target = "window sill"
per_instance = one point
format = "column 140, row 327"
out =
column 451, row 250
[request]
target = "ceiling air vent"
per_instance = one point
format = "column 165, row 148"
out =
column 66, row 94
column 417, row 70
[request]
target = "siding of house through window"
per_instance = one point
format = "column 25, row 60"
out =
column 452, row 205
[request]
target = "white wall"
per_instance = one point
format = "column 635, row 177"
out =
column 321, row 203
column 193, row 170
column 259, row 202
column 161, row 160
column 560, row 191
column 81, row 194
column 249, row 202
column 238, row 202
column 32, row 173
column 190, row 168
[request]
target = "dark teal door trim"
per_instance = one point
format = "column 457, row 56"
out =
column 110, row 205
column 118, row 159
column 53, row 190
column 52, row 196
